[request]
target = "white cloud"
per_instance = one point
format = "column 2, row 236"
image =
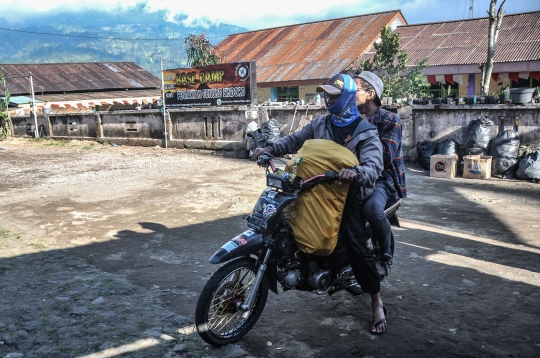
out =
column 256, row 15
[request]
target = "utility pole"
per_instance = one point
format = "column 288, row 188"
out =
column 471, row 12
column 162, row 99
column 34, row 108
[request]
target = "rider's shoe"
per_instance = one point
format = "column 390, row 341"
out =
column 386, row 257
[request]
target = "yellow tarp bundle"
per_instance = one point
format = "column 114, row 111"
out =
column 316, row 215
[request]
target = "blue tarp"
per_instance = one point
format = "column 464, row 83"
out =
column 20, row 100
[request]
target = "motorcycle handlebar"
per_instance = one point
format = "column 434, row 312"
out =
column 265, row 160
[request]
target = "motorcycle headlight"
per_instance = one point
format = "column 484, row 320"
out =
column 275, row 181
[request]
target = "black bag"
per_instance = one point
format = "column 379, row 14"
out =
column 425, row 150
column 529, row 166
column 271, row 129
column 448, row 147
column 480, row 133
column 504, row 149
column 258, row 139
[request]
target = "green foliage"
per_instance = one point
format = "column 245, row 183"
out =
column 56, row 143
column 390, row 64
column 413, row 83
column 200, row 51
column 5, row 120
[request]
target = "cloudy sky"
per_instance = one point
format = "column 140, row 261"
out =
column 254, row 14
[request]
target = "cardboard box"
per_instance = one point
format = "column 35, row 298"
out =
column 443, row 166
column 477, row 166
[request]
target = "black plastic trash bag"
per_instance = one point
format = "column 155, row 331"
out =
column 448, row 147
column 271, row 129
column 258, row 139
column 479, row 134
column 504, row 149
column 425, row 150
column 529, row 166
column 472, row 150
column 505, row 145
column 504, row 168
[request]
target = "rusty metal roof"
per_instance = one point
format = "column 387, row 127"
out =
column 309, row 51
column 77, row 77
column 464, row 42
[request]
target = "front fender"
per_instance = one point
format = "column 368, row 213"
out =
column 247, row 243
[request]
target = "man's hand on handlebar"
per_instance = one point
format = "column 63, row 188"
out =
column 257, row 152
column 347, row 175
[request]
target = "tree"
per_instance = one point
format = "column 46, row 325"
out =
column 413, row 83
column 495, row 20
column 5, row 120
column 390, row 64
column 200, row 51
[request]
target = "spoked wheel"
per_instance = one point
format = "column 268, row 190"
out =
column 218, row 317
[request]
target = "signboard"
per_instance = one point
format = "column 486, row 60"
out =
column 226, row 84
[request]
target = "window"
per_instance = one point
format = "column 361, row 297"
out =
column 529, row 82
column 439, row 90
column 289, row 94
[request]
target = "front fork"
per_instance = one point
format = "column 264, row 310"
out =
column 248, row 304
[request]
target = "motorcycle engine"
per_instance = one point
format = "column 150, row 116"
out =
column 297, row 271
column 319, row 280
column 291, row 278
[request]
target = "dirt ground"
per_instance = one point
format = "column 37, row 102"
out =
column 464, row 283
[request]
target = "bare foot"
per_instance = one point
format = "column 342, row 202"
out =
column 378, row 319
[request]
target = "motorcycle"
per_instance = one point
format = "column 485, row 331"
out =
column 258, row 259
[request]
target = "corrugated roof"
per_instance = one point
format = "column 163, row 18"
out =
column 464, row 42
column 78, row 77
column 309, row 51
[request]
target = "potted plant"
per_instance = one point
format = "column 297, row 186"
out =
column 521, row 95
column 501, row 92
column 537, row 94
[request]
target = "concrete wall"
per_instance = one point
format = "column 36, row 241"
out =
column 436, row 123
column 225, row 128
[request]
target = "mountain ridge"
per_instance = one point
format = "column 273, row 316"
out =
column 130, row 35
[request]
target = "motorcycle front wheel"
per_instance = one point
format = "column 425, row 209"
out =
column 218, row 318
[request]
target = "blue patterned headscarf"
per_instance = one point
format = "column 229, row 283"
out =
column 344, row 111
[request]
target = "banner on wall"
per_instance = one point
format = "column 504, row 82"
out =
column 226, row 84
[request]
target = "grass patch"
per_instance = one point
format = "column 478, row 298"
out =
column 37, row 140
column 57, row 143
column 4, row 233
column 38, row 246
column 90, row 146
column 7, row 234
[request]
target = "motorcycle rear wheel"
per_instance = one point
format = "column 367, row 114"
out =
column 218, row 319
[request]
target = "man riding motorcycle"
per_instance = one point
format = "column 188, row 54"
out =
column 345, row 126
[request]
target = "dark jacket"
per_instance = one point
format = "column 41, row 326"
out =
column 365, row 144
